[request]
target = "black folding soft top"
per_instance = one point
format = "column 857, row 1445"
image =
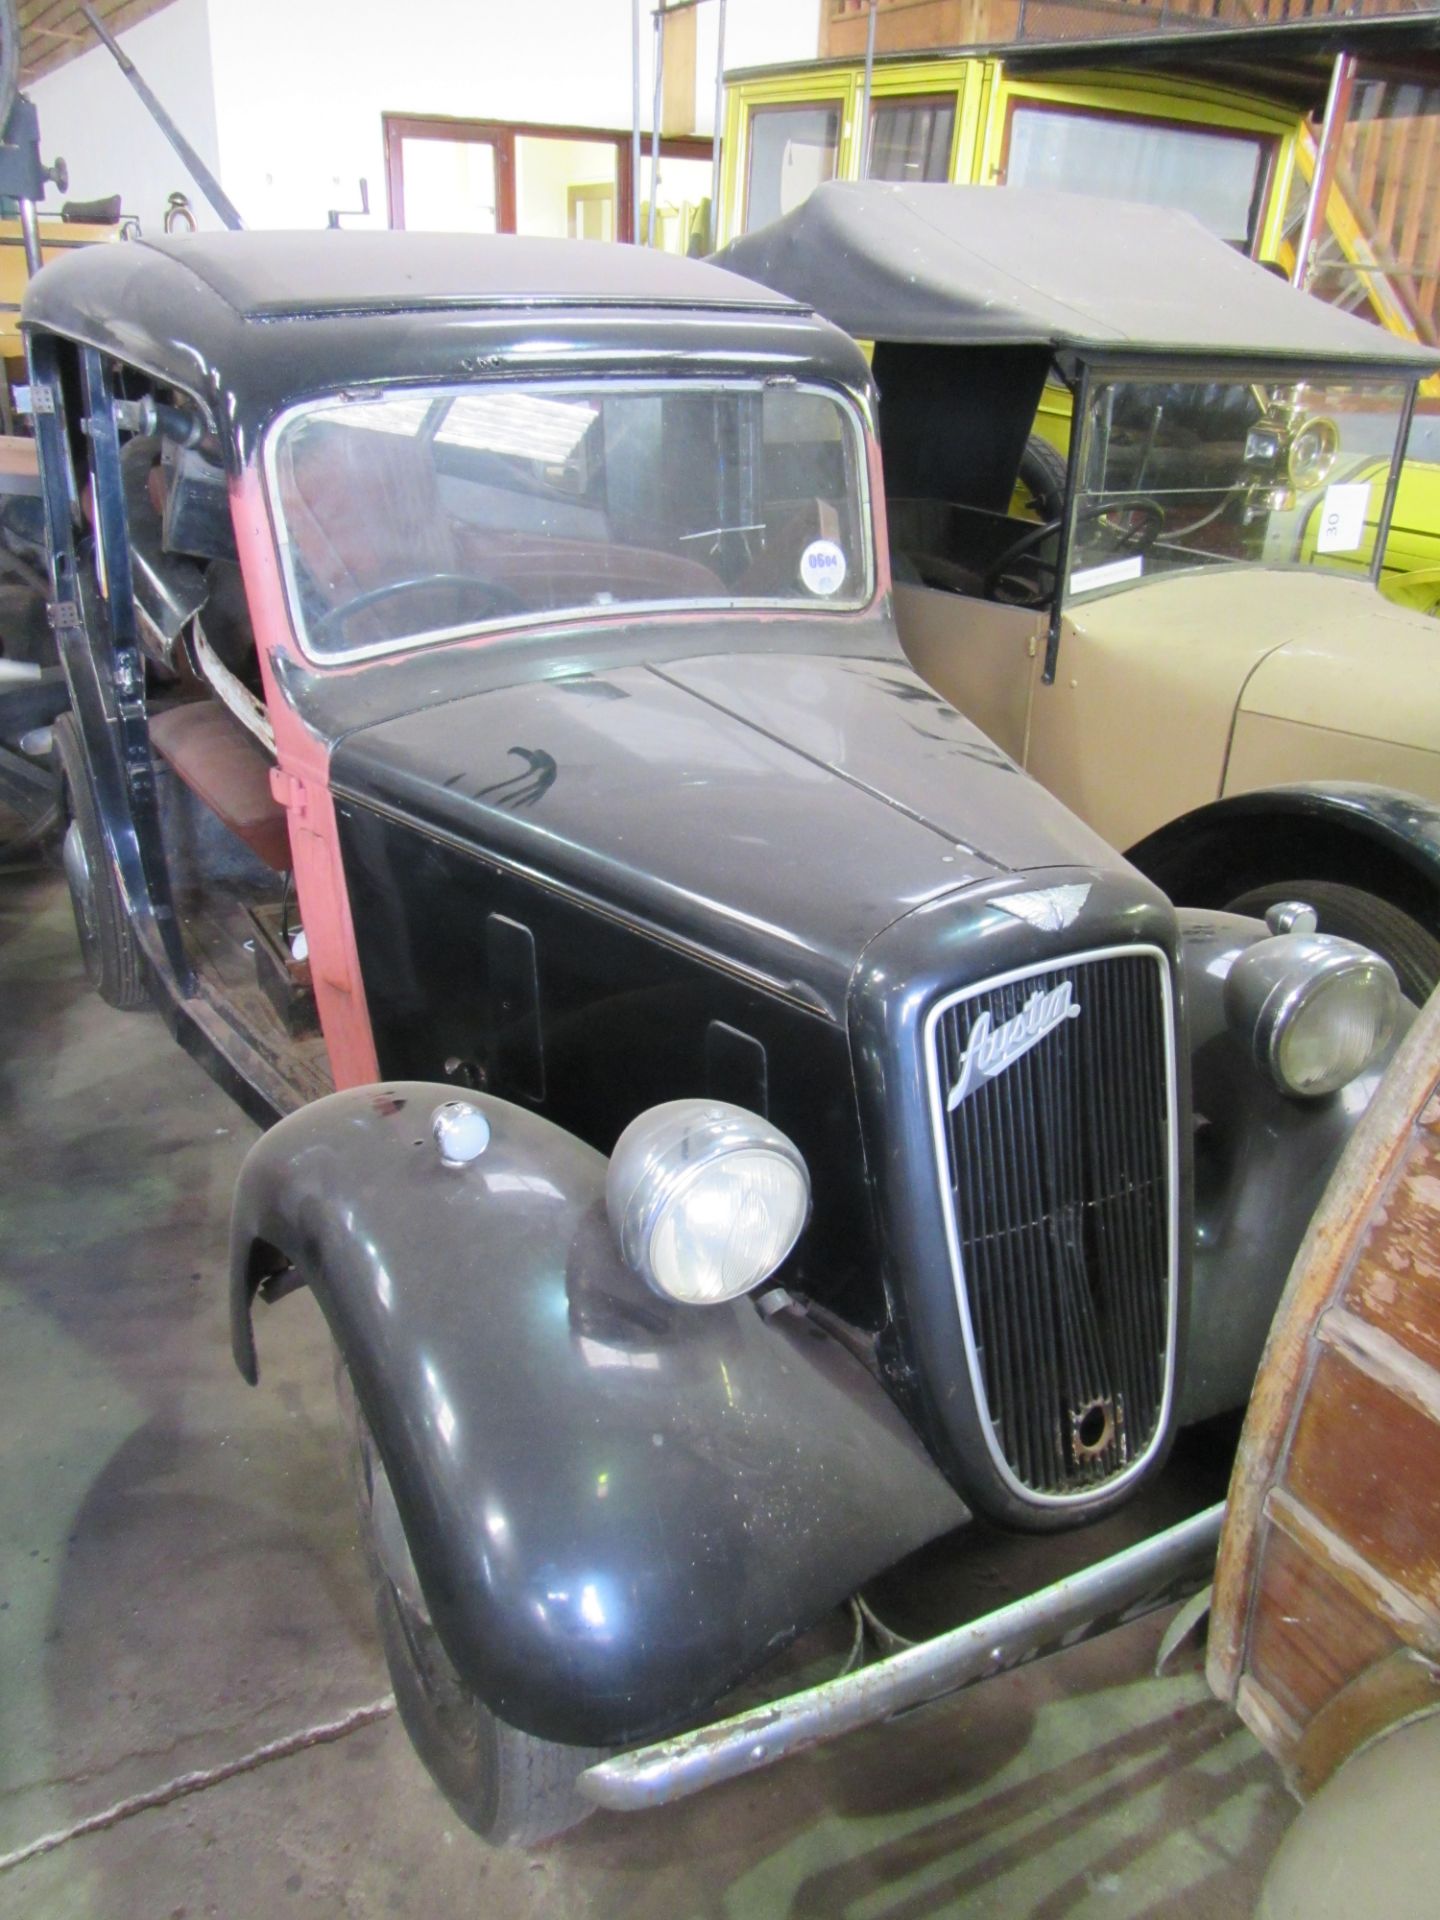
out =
column 1014, row 266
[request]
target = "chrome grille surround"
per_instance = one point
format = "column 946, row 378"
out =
column 1093, row 1475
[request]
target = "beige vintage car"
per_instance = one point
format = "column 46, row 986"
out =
column 1188, row 644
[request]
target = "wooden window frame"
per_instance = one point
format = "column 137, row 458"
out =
column 880, row 102
column 399, row 127
column 502, row 135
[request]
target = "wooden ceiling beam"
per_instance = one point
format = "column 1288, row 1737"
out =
column 53, row 32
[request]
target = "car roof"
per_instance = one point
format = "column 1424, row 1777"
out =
column 1286, row 62
column 1018, row 266
column 272, row 276
column 253, row 322
column 1291, row 62
column 284, row 275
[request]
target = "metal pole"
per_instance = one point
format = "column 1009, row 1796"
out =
column 635, row 122
column 655, row 122
column 30, row 235
column 199, row 172
column 865, row 95
column 1392, row 485
column 714, row 235
column 1337, row 108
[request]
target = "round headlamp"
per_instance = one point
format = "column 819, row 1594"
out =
column 1313, row 447
column 1317, row 1010
column 705, row 1199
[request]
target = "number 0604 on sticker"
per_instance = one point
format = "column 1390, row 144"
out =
column 822, row 567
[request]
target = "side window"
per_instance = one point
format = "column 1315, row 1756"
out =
column 792, row 149
column 910, row 139
column 1217, row 176
column 184, row 573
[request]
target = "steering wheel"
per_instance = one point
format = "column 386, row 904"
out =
column 495, row 598
column 1135, row 539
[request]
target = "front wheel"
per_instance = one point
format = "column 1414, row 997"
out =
column 507, row 1786
column 1352, row 913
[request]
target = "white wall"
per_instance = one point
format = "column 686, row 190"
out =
column 765, row 33
column 301, row 85
column 283, row 98
column 545, row 170
column 758, row 33
column 90, row 113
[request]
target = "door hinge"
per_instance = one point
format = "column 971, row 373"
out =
column 42, row 400
column 288, row 791
column 64, row 614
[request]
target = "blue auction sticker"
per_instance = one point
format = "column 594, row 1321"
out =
column 822, row 567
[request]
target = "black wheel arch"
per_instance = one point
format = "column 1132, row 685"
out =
column 502, row 1354
column 1374, row 838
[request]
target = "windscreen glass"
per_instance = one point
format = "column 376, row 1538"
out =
column 1194, row 473
column 407, row 515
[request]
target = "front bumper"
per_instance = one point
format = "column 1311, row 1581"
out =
column 1154, row 1573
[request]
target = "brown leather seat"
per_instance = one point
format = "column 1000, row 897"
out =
column 363, row 509
column 229, row 770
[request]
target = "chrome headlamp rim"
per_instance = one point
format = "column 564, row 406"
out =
column 664, row 1154
column 1308, row 473
column 1273, row 982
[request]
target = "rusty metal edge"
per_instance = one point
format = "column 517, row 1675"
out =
column 1322, row 1264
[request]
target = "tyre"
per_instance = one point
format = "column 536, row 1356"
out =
column 507, row 1786
column 113, row 963
column 1412, row 951
column 1042, row 475
column 1368, row 1838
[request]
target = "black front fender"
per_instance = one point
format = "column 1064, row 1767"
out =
column 1365, row 836
column 617, row 1507
column 1262, row 1162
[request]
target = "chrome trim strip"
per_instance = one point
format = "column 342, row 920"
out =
column 1151, row 1574
column 1070, row 1502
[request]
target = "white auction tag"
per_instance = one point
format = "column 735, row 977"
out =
column 822, row 567
column 1087, row 579
column 1342, row 517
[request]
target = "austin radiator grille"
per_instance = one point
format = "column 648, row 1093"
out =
column 1059, row 1166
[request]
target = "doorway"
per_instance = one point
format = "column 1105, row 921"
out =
column 473, row 176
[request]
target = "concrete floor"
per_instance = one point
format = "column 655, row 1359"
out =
column 180, row 1586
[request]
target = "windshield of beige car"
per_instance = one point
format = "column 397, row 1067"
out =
column 410, row 515
column 1195, row 473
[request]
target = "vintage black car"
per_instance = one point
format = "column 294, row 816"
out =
column 736, row 1125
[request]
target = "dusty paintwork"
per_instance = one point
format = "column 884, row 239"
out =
column 1217, row 681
